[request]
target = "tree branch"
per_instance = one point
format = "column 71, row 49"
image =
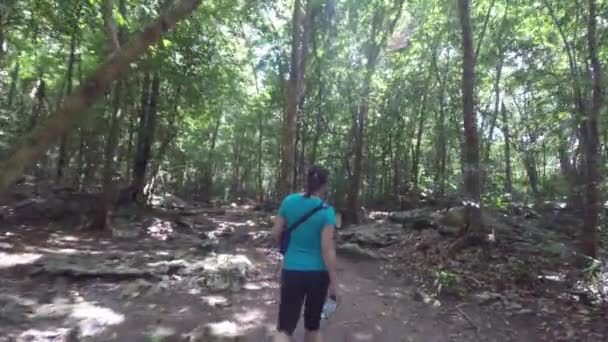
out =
column 110, row 25
column 35, row 144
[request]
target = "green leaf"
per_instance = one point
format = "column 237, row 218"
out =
column 120, row 20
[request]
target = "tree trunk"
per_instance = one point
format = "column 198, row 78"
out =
column 529, row 160
column 290, row 124
column 1, row 40
column 496, row 108
column 63, row 144
column 208, row 169
column 417, row 149
column 105, row 200
column 419, row 131
column 129, row 156
column 591, row 142
column 359, row 122
column 82, row 145
column 302, row 158
column 110, row 25
column 508, row 186
column 260, row 176
column 359, row 125
column 38, row 141
column 441, row 146
column 472, row 188
column 484, row 29
column 145, row 137
column 171, row 133
column 13, row 87
column 106, row 197
column 259, row 187
column 39, row 105
column 378, row 25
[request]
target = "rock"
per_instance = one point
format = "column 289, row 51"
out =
column 216, row 332
column 372, row 235
column 448, row 231
column 93, row 267
column 409, row 215
column 14, row 309
column 159, row 229
column 168, row 201
column 124, row 229
column 421, row 224
column 50, row 335
column 487, row 297
column 208, row 246
column 186, row 222
column 221, row 272
column 525, row 312
column 217, row 301
column 421, row 296
column 554, row 249
column 227, row 274
column 36, row 208
column 513, row 306
column 135, row 289
column 354, row 250
column 453, row 217
column 204, row 211
column 378, row 215
column 162, row 334
column 91, row 319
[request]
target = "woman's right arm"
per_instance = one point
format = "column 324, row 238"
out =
column 277, row 228
column 328, row 249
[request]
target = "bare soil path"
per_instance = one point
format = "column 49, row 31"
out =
column 375, row 305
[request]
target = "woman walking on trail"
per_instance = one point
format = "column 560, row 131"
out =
column 305, row 229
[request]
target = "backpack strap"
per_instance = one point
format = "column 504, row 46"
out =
column 287, row 233
column 306, row 217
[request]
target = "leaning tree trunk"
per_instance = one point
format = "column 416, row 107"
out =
column 589, row 133
column 472, row 186
column 34, row 145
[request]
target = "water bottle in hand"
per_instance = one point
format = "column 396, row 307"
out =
column 329, row 307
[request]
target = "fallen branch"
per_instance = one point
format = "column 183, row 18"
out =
column 464, row 314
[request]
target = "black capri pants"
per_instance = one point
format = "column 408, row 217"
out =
column 302, row 287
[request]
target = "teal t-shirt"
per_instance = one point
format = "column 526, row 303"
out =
column 304, row 251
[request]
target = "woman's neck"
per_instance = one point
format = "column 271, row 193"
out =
column 314, row 194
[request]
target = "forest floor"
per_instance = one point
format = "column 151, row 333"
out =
column 209, row 275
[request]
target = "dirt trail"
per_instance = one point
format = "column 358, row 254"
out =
column 374, row 306
column 377, row 309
